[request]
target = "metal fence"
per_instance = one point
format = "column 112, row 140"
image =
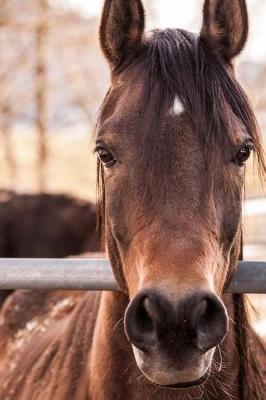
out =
column 96, row 274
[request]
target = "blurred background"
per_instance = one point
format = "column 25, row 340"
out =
column 52, row 81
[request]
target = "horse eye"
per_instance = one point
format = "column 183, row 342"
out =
column 105, row 156
column 243, row 154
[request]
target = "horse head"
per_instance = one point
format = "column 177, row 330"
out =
column 174, row 134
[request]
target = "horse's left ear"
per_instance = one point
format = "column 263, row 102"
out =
column 121, row 30
column 225, row 26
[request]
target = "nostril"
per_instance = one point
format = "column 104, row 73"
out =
column 211, row 323
column 139, row 323
column 144, row 315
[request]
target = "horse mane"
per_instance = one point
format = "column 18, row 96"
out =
column 181, row 64
column 176, row 63
column 249, row 344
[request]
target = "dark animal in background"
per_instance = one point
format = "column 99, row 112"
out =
column 46, row 225
column 174, row 133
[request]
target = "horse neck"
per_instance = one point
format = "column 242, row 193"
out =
column 252, row 354
column 113, row 371
column 110, row 350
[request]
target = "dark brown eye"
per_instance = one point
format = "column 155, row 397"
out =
column 105, row 156
column 243, row 154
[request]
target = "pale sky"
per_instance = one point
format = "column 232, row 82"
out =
column 168, row 16
column 187, row 14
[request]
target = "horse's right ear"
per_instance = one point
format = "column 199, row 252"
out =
column 121, row 30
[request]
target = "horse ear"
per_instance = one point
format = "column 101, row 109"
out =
column 121, row 30
column 225, row 26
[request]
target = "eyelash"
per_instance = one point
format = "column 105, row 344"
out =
column 105, row 155
column 243, row 153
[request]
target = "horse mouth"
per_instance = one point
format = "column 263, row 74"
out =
column 188, row 385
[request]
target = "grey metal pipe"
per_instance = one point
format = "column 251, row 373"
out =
column 49, row 273
column 96, row 274
column 250, row 278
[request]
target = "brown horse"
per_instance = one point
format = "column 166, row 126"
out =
column 68, row 225
column 174, row 133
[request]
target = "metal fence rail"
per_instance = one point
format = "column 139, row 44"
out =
column 96, row 274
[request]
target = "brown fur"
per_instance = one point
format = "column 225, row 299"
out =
column 172, row 213
column 80, row 352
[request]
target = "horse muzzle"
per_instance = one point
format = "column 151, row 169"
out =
column 174, row 341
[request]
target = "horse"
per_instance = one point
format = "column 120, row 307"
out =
column 172, row 138
column 69, row 225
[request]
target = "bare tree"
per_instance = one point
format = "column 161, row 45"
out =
column 5, row 110
column 40, row 88
column 5, row 121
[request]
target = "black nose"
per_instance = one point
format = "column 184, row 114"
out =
column 207, row 320
column 197, row 322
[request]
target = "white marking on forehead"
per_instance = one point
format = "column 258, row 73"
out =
column 177, row 108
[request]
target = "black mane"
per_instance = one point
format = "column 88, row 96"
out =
column 184, row 66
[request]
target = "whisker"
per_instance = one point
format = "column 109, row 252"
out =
column 117, row 323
